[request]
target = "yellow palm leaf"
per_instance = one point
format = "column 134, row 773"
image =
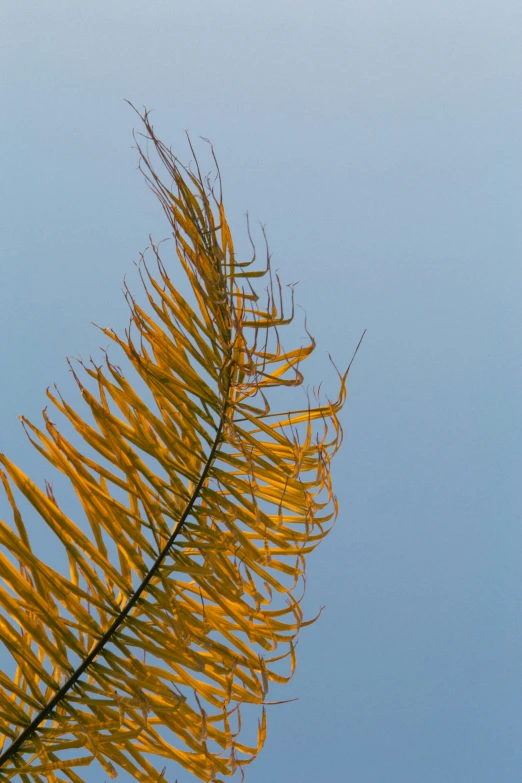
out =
column 200, row 504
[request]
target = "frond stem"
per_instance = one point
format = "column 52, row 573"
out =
column 109, row 633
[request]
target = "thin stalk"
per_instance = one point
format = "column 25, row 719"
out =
column 109, row 633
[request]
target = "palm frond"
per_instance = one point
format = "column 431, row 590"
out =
column 183, row 598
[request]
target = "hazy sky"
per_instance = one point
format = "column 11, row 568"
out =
column 380, row 143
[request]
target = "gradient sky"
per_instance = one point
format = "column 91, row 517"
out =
column 380, row 144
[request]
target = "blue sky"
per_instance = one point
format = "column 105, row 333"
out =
column 380, row 144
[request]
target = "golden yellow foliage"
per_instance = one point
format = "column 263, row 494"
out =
column 183, row 599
